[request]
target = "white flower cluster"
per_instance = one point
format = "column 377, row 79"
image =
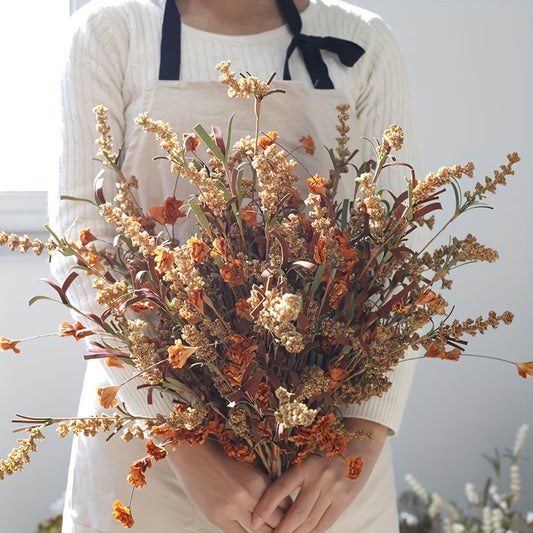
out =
column 495, row 515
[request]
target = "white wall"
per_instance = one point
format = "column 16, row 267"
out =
column 43, row 380
column 470, row 67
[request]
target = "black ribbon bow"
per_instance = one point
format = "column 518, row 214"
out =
column 310, row 46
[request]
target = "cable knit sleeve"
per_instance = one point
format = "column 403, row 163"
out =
column 381, row 96
column 94, row 74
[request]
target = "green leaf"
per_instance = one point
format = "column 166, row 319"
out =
column 228, row 137
column 37, row 298
column 238, row 186
column 210, row 143
column 345, row 212
column 49, row 230
column 350, row 308
column 200, row 215
column 318, row 276
column 227, row 193
column 76, row 199
column 178, row 384
column 409, row 212
column 457, row 194
column 387, row 257
column 346, row 349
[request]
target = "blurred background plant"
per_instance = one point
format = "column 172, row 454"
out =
column 489, row 511
column 52, row 525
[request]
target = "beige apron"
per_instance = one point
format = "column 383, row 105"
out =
column 98, row 468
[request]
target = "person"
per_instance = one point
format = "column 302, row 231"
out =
column 156, row 56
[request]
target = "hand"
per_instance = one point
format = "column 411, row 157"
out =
column 224, row 490
column 325, row 491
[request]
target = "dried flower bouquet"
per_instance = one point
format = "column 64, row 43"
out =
column 279, row 311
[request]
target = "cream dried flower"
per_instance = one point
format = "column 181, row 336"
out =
column 291, row 413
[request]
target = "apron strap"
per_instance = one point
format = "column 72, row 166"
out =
column 310, row 46
column 169, row 65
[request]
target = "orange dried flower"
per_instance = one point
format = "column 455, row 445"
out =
column 319, row 254
column 137, row 475
column 308, row 144
column 264, row 395
column 240, row 352
column 164, row 259
column 179, row 354
column 187, row 315
column 78, row 330
column 336, row 376
column 113, row 362
column 220, row 246
column 304, row 437
column 339, row 290
column 191, row 142
column 91, row 258
column 167, row 213
column 123, row 514
column 439, row 352
column 86, row 236
column 301, row 455
column 154, row 451
column 197, row 299
column 199, row 250
column 324, row 430
column 8, row 344
column 215, row 424
column 243, row 308
column 166, row 432
column 355, row 466
column 427, row 297
column 231, row 272
column 347, row 251
column 295, row 200
column 267, row 140
column 241, row 349
column 400, row 307
column 316, row 184
column 240, row 451
column 525, row 369
column 249, row 215
column 337, row 445
column 142, row 306
column 107, row 396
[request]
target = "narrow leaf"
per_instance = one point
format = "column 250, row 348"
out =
column 318, row 277
column 36, row 298
column 200, row 215
column 210, row 143
column 345, row 212
column 219, row 139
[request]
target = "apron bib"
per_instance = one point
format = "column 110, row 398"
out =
column 99, row 469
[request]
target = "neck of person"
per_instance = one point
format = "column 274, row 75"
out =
column 234, row 17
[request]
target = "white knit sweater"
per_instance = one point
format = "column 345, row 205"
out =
column 114, row 55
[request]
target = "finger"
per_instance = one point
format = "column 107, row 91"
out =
column 275, row 518
column 269, row 524
column 265, row 528
column 314, row 519
column 306, row 511
column 329, row 518
column 285, row 504
column 274, row 495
